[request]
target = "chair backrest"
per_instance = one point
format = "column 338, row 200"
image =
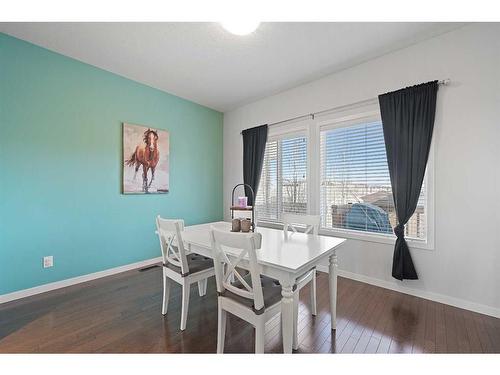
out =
column 310, row 222
column 229, row 249
column 172, row 246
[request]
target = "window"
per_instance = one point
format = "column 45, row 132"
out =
column 355, row 187
column 334, row 165
column 283, row 182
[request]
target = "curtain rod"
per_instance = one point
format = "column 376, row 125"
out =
column 443, row 82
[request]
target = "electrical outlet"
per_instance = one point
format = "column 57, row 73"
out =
column 48, row 261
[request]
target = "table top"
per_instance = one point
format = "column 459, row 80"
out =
column 292, row 252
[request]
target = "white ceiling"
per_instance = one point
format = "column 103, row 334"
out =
column 204, row 63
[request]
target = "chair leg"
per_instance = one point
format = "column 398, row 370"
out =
column 166, row 294
column 260, row 335
column 221, row 330
column 185, row 304
column 202, row 287
column 313, row 294
column 295, row 342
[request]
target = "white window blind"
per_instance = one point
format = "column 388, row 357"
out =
column 355, row 191
column 283, row 182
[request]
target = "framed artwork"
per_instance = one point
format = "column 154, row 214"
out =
column 145, row 160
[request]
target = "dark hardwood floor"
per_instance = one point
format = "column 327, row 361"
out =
column 121, row 314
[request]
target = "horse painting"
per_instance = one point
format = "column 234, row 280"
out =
column 147, row 155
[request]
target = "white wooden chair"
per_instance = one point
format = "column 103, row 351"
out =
column 310, row 223
column 252, row 297
column 185, row 269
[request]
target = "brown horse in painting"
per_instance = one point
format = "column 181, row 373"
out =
column 147, row 156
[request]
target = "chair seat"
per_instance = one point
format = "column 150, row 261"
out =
column 271, row 290
column 196, row 263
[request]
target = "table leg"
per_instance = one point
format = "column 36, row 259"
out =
column 332, row 281
column 287, row 315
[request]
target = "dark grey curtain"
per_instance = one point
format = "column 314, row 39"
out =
column 254, row 145
column 408, row 122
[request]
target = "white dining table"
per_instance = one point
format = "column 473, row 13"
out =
column 284, row 257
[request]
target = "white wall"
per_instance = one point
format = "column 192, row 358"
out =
column 464, row 267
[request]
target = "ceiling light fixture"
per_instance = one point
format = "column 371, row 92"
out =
column 240, row 27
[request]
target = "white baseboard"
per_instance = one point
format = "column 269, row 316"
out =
column 441, row 298
column 452, row 301
column 75, row 280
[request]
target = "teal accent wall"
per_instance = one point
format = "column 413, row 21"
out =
column 61, row 161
